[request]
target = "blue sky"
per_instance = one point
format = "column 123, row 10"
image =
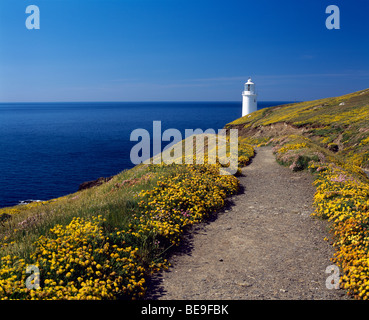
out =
column 178, row 50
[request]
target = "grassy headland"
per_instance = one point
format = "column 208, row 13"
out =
column 329, row 137
column 104, row 242
column 339, row 124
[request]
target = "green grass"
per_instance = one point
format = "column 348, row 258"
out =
column 143, row 210
column 343, row 121
column 113, row 200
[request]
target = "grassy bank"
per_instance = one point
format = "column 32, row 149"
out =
column 104, row 242
column 340, row 124
column 330, row 138
column 342, row 197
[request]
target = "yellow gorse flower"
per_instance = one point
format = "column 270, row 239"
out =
column 88, row 259
column 344, row 201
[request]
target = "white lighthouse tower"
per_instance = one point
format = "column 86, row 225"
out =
column 249, row 103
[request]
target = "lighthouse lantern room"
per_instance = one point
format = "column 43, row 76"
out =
column 249, row 102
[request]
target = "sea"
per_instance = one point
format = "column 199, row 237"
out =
column 48, row 149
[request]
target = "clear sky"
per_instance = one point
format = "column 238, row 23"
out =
column 178, row 50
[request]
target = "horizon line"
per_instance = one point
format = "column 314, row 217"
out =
column 145, row 101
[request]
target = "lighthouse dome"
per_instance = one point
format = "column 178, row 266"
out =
column 249, row 86
column 249, row 103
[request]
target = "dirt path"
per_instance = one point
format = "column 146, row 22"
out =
column 265, row 245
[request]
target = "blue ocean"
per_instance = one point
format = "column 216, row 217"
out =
column 48, row 149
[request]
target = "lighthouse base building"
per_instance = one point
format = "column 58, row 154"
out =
column 249, row 101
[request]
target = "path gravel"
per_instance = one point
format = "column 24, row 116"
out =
column 265, row 245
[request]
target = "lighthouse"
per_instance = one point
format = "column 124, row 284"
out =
column 249, row 103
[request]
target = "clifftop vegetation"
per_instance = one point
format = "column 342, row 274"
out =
column 329, row 137
column 105, row 242
column 339, row 124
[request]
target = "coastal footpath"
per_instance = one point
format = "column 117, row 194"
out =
column 328, row 140
column 264, row 245
column 272, row 230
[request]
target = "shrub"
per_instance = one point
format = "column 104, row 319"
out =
column 343, row 199
column 91, row 258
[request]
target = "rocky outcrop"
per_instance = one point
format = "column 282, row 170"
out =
column 94, row 183
column 4, row 217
